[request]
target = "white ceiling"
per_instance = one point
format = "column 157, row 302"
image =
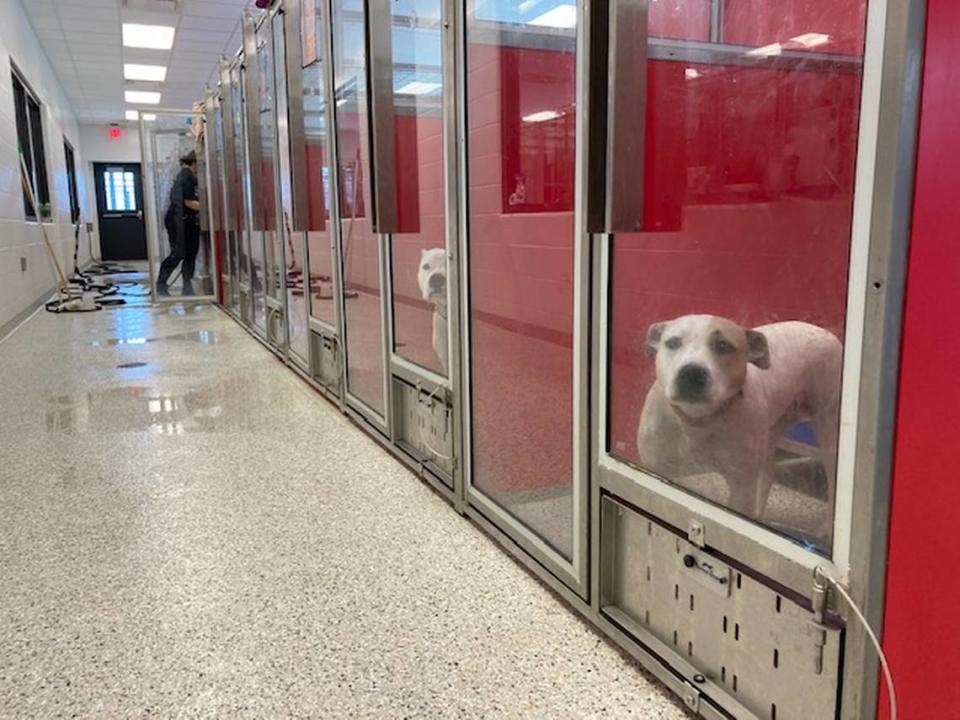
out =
column 82, row 38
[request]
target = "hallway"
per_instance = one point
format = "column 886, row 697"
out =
column 190, row 531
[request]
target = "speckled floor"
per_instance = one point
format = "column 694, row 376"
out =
column 187, row 530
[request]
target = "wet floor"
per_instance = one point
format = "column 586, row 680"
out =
column 188, row 530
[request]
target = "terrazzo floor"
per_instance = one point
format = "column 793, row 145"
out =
column 189, row 531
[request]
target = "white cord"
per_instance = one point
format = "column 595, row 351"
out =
column 888, row 676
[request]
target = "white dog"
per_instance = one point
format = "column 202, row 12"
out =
column 432, row 278
column 724, row 396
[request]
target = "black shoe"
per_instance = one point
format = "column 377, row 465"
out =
column 162, row 290
column 187, row 288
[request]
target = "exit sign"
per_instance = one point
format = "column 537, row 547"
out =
column 115, row 133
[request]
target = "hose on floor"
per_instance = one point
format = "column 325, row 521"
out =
column 83, row 292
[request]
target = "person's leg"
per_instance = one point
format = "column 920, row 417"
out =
column 170, row 263
column 191, row 247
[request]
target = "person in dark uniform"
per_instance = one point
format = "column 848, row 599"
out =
column 183, row 226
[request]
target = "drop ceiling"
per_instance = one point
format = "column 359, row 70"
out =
column 82, row 38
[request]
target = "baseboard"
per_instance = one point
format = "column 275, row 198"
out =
column 8, row 327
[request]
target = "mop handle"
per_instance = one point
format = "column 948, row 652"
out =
column 24, row 179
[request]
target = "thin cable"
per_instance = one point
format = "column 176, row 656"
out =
column 888, row 676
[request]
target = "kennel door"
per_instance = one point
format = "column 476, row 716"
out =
column 269, row 181
column 361, row 247
column 221, row 143
column 523, row 274
column 724, row 308
column 166, row 138
column 311, row 157
column 408, row 92
column 286, row 63
column 238, row 185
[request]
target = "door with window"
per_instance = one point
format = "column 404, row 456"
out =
column 526, row 422
column 728, row 271
column 360, row 244
column 119, row 190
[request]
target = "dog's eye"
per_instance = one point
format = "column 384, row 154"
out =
column 425, row 267
column 724, row 348
column 673, row 343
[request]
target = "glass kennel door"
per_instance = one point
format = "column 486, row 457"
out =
column 725, row 311
column 187, row 251
column 363, row 328
column 266, row 252
column 525, row 410
column 286, row 60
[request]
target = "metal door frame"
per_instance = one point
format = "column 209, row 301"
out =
column 268, row 19
column 213, row 129
column 279, row 15
column 235, row 76
column 251, row 130
column 152, row 204
column 227, row 167
column 352, row 404
column 572, row 573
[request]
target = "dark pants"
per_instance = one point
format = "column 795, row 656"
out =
column 183, row 248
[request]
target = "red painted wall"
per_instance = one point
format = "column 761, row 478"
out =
column 922, row 624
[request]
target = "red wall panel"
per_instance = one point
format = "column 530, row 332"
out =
column 757, row 23
column 922, row 624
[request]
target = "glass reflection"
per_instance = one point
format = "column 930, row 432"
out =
column 322, row 301
column 363, row 327
column 521, row 82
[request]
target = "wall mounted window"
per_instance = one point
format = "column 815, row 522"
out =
column 72, row 182
column 30, row 138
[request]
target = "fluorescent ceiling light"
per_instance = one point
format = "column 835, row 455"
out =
column 153, row 37
column 541, row 116
column 150, row 73
column 562, row 16
column 811, row 39
column 140, row 97
column 133, row 115
column 418, row 88
column 767, row 50
column 149, row 117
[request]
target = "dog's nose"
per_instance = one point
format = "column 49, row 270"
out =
column 692, row 382
column 438, row 282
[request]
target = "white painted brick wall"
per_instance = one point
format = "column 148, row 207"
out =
column 18, row 238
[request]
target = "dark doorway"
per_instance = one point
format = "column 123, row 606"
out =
column 120, row 211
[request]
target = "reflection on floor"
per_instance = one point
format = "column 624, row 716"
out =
column 190, row 531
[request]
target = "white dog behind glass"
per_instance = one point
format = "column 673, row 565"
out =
column 432, row 278
column 725, row 395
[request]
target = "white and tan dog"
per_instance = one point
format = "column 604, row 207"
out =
column 432, row 278
column 724, row 396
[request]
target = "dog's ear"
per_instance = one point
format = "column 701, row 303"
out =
column 758, row 352
column 654, row 333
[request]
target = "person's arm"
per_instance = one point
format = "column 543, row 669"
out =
column 192, row 204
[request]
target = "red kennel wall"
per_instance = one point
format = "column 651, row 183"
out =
column 922, row 624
